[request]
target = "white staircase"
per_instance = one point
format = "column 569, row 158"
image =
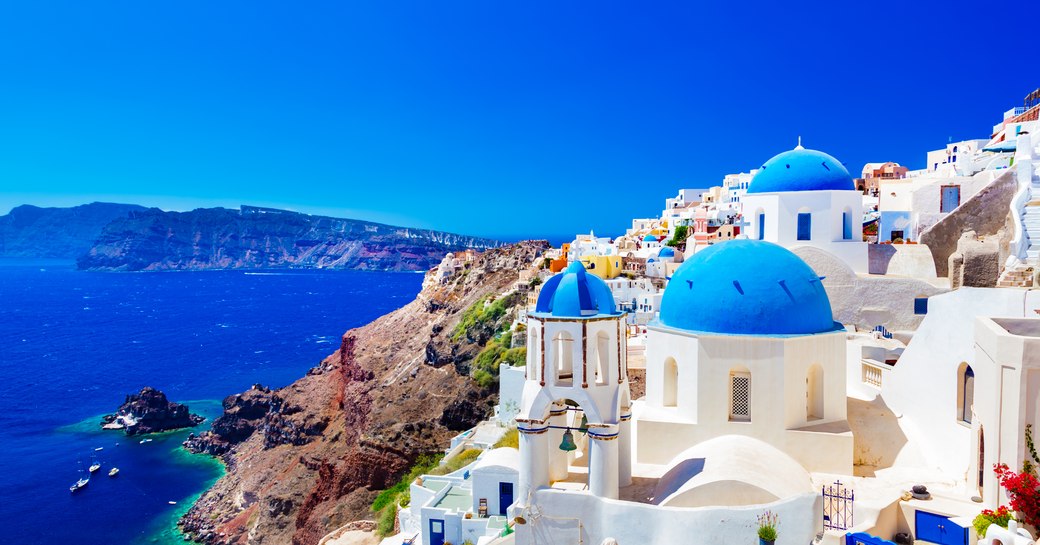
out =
column 1031, row 222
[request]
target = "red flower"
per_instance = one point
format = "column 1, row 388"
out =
column 1024, row 491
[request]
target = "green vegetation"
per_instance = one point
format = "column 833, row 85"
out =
column 983, row 520
column 535, row 282
column 679, row 237
column 385, row 504
column 456, row 462
column 510, row 439
column 479, row 316
column 491, row 358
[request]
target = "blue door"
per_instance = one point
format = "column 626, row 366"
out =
column 938, row 529
column 436, row 532
column 761, row 227
column 505, row 497
column 950, row 198
column 804, row 226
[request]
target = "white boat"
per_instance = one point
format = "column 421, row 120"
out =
column 143, row 441
column 113, row 472
column 94, row 464
column 83, row 481
column 80, row 484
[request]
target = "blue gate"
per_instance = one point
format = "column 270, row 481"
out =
column 861, row 538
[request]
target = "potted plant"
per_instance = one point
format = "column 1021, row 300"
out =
column 767, row 523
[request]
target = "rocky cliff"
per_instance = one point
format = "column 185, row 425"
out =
column 148, row 411
column 305, row 459
column 63, row 233
column 252, row 238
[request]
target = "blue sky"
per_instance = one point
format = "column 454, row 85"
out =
column 504, row 119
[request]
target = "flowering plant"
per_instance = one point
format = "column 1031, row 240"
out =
column 983, row 520
column 767, row 523
column 1024, row 490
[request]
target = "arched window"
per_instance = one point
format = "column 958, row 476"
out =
column 534, row 367
column 740, row 395
column 563, row 358
column 602, row 358
column 670, row 395
column 814, row 393
column 846, row 224
column 965, row 392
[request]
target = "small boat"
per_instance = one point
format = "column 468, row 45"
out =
column 82, row 483
column 143, row 441
column 99, row 449
column 171, row 502
column 94, row 465
column 113, row 472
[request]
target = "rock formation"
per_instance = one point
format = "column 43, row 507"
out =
column 150, row 412
column 308, row 458
column 255, row 238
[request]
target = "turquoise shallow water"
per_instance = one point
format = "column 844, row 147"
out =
column 72, row 344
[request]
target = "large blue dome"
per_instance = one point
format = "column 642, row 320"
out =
column 802, row 170
column 747, row 287
column 574, row 293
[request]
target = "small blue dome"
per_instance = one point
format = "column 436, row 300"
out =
column 747, row 287
column 801, row 170
column 649, row 238
column 574, row 293
column 667, row 251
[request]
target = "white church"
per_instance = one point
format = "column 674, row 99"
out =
column 805, row 197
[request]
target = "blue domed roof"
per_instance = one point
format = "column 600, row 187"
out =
column 649, row 238
column 802, row 170
column 667, row 251
column 574, row 293
column 747, row 287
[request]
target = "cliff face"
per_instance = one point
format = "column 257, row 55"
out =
column 219, row 238
column 310, row 457
column 150, row 412
column 63, row 233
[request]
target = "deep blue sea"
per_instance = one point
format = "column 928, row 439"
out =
column 73, row 344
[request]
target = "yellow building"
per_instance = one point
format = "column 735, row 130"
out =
column 603, row 266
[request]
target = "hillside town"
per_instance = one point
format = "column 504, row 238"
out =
column 797, row 352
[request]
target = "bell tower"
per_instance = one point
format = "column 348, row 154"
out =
column 576, row 396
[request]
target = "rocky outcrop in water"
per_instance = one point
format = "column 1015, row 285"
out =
column 308, row 458
column 263, row 238
column 150, row 412
column 63, row 233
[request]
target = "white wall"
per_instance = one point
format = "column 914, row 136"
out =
column 923, row 386
column 779, row 369
column 635, row 523
column 826, row 227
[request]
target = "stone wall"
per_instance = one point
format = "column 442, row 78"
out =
column 913, row 260
column 985, row 213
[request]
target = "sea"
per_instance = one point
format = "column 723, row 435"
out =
column 73, row 344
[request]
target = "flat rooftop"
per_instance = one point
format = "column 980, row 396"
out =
column 1023, row 327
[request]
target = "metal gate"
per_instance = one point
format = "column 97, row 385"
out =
column 837, row 506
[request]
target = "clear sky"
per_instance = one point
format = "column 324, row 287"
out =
column 494, row 118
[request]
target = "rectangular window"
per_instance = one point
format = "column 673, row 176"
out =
column 896, row 235
column 921, row 305
column 761, row 227
column 846, row 222
column 740, row 397
column 804, row 226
